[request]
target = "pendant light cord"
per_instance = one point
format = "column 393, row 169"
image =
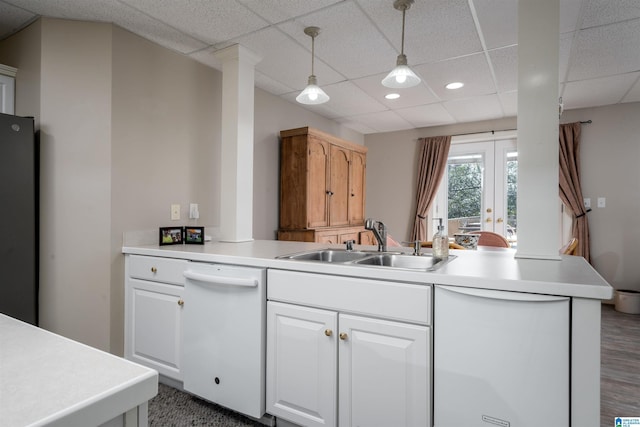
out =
column 404, row 10
column 313, row 54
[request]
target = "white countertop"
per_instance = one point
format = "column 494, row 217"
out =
column 500, row 270
column 46, row 379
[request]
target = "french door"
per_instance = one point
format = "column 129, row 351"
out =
column 479, row 188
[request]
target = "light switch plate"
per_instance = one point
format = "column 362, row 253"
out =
column 587, row 202
column 175, row 212
column 602, row 202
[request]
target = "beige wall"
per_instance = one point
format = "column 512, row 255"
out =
column 128, row 128
column 273, row 114
column 75, row 138
column 165, row 147
column 392, row 169
column 609, row 159
column 610, row 154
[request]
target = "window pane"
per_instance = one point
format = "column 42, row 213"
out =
column 465, row 179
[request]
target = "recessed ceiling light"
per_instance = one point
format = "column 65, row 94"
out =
column 454, row 85
column 392, row 96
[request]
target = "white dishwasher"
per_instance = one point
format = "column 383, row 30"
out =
column 500, row 358
column 224, row 335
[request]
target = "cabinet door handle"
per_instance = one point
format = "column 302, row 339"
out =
column 328, row 332
column 180, row 302
column 343, row 336
column 154, row 270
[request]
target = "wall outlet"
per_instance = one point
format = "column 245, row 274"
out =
column 602, row 202
column 175, row 212
column 587, row 202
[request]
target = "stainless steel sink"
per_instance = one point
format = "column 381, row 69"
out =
column 328, row 255
column 422, row 262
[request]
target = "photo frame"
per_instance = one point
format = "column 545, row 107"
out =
column 170, row 236
column 194, row 235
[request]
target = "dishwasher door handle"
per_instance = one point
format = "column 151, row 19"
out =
column 220, row 280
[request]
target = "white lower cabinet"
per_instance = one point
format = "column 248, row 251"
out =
column 326, row 368
column 153, row 313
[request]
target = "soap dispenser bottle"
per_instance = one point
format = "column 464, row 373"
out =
column 440, row 242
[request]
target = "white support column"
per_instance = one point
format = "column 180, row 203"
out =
column 538, row 164
column 236, row 197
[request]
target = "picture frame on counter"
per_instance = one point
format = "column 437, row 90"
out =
column 194, row 235
column 170, row 236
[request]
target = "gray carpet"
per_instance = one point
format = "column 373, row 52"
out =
column 172, row 407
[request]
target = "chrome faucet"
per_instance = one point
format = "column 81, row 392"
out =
column 379, row 231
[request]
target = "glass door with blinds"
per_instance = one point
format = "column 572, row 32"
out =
column 479, row 188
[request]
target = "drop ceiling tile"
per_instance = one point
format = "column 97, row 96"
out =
column 634, row 94
column 156, row 32
column 276, row 11
column 608, row 50
column 570, row 12
column 474, row 109
column 209, row 21
column 566, row 41
column 509, row 102
column 505, row 67
column 472, row 70
column 603, row 12
column 120, row 14
column 285, row 60
column 207, row 57
column 348, row 40
column 13, row 19
column 268, row 84
column 354, row 124
column 426, row 115
column 499, row 22
column 428, row 30
column 597, row 92
column 417, row 95
column 348, row 99
column 383, row 121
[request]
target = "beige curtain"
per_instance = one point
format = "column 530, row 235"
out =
column 570, row 188
column 432, row 164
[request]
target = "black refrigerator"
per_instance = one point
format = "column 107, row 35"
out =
column 19, row 160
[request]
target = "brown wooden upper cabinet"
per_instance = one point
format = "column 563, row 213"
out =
column 322, row 181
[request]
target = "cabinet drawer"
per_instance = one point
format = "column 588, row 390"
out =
column 392, row 300
column 164, row 270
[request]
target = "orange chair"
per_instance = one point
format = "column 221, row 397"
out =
column 570, row 248
column 489, row 238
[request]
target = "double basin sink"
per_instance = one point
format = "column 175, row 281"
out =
column 423, row 262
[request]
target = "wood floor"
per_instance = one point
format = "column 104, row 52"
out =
column 619, row 390
column 620, row 366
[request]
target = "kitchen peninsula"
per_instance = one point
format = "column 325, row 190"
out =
column 340, row 300
column 46, row 379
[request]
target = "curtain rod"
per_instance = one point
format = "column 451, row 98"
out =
column 493, row 132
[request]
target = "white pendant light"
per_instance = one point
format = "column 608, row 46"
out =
column 312, row 94
column 401, row 76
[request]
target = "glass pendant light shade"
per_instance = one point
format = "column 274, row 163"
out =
column 312, row 94
column 402, row 76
